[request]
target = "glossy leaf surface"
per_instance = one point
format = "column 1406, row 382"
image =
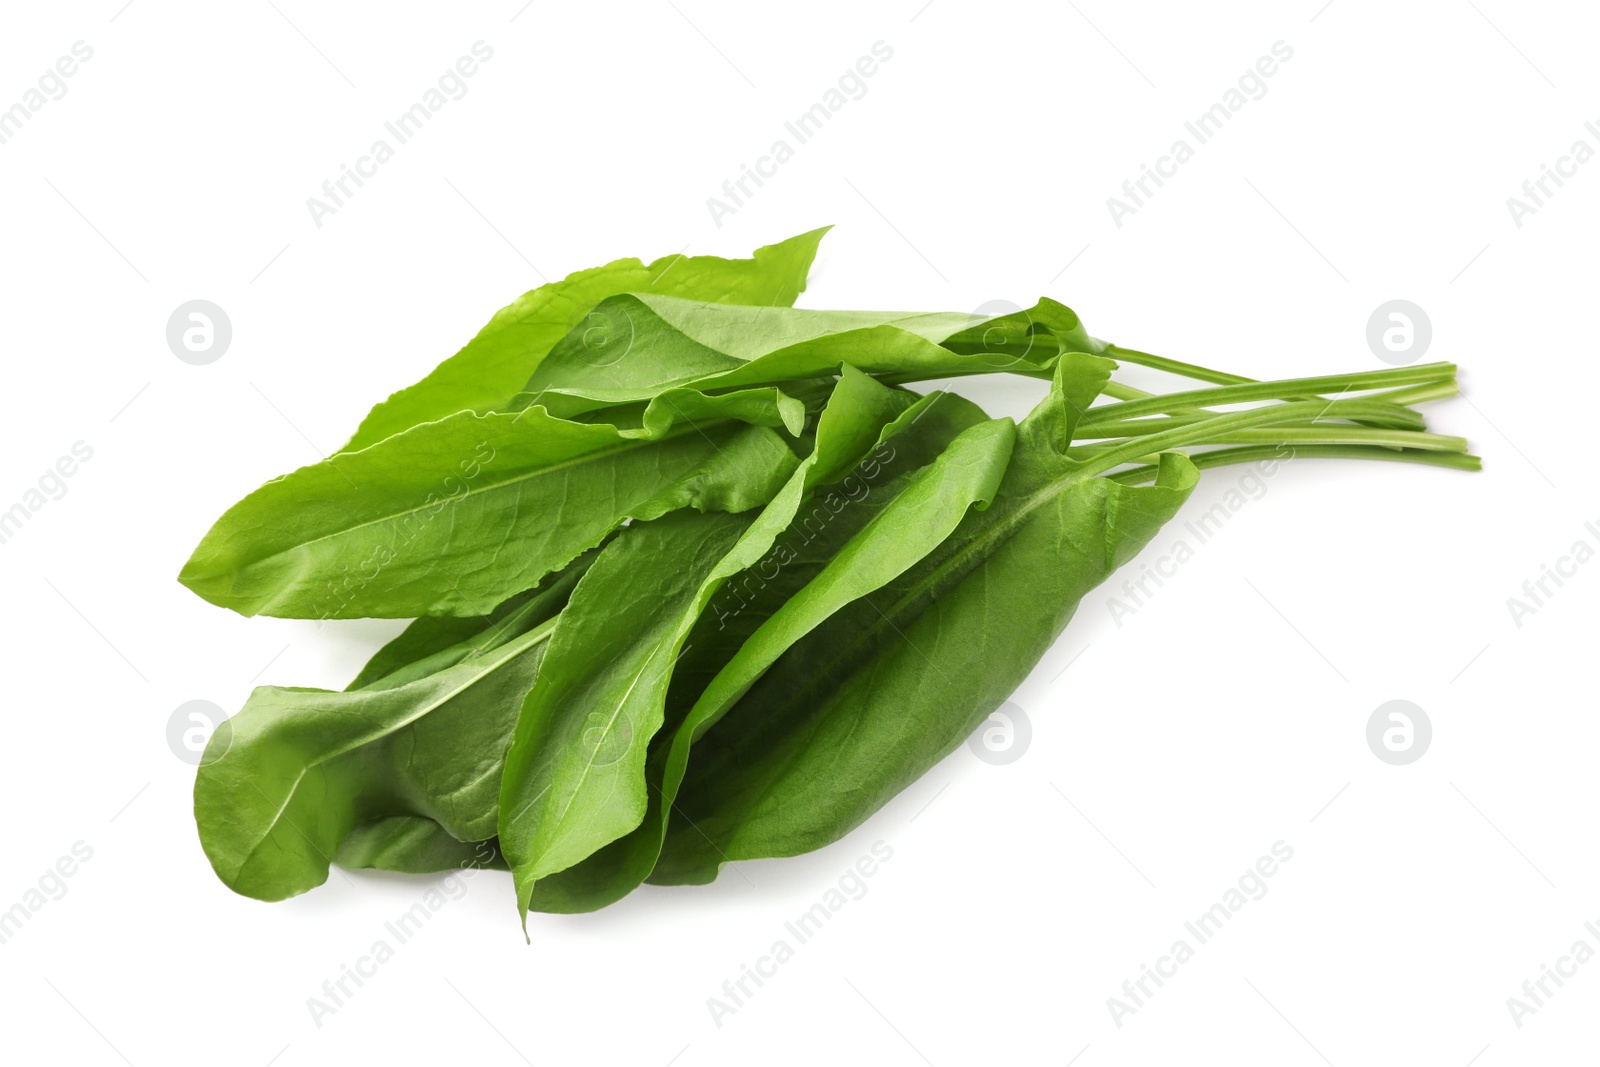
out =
column 453, row 517
column 574, row 776
column 493, row 366
column 868, row 701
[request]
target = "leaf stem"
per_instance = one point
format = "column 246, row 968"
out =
column 1172, row 366
column 1318, row 435
column 1209, row 430
column 1425, row 374
column 1226, row 456
column 1206, row 374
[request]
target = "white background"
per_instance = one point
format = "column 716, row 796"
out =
column 1227, row 714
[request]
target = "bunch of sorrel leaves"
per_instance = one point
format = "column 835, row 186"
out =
column 696, row 577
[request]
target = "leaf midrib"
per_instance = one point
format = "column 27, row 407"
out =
column 680, row 430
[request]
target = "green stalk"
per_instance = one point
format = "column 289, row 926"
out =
column 1172, row 366
column 1226, row 456
column 1209, row 430
column 1435, row 382
column 1122, row 391
column 1351, row 435
column 1408, row 395
column 1418, row 394
column 1426, row 374
column 1397, row 418
column 1314, row 435
column 1411, row 394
